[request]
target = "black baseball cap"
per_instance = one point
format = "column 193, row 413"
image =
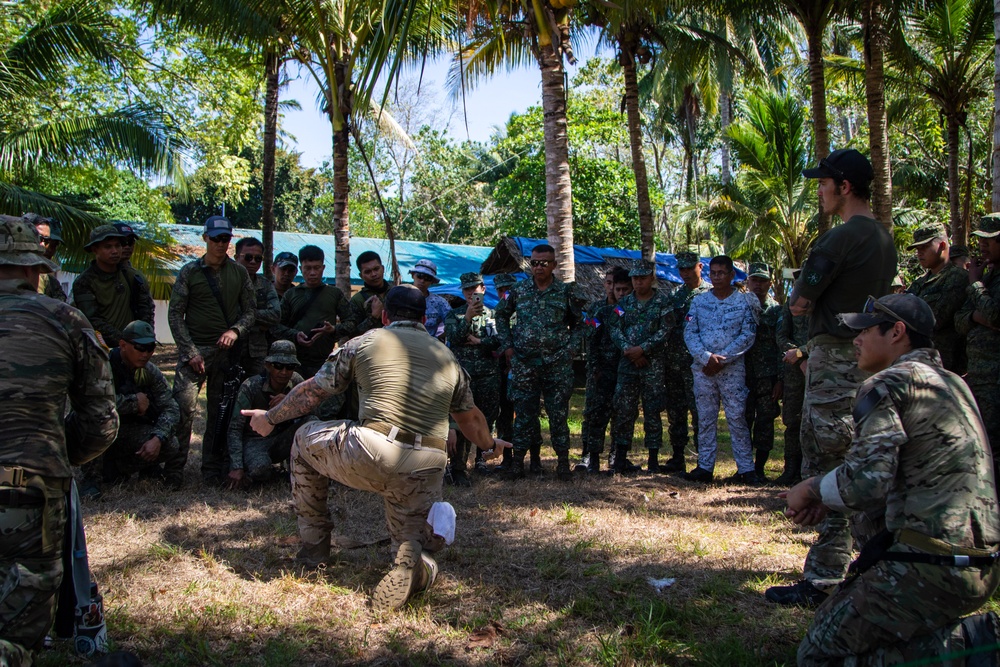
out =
column 909, row 309
column 845, row 164
column 405, row 301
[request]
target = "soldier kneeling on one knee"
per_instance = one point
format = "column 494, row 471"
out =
column 252, row 457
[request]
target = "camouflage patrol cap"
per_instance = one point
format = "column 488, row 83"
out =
column 926, row 234
column 759, row 270
column 909, row 309
column 687, row 259
column 283, row 259
column 958, row 251
column 103, row 233
column 139, row 332
column 471, row 279
column 989, row 226
column 642, row 267
column 504, row 281
column 20, row 245
column 282, row 352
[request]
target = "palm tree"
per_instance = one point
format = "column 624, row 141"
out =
column 512, row 34
column 876, row 14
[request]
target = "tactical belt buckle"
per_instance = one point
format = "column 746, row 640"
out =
column 11, row 476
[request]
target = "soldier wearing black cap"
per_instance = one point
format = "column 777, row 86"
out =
column 286, row 265
column 408, row 383
column 50, row 233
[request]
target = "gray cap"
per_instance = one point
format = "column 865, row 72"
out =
column 909, row 309
column 103, row 233
column 427, row 268
column 140, row 332
column 282, row 352
column 19, row 245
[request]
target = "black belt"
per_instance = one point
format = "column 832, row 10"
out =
column 14, row 498
column 395, row 434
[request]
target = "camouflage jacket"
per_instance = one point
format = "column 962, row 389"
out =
column 255, row 394
column 920, row 448
column 721, row 326
column 50, row 353
column 677, row 352
column 112, row 300
column 268, row 314
column 360, row 317
column 792, row 333
column 982, row 342
column 764, row 358
column 601, row 350
column 48, row 284
column 644, row 324
column 549, row 322
column 945, row 294
column 478, row 360
column 163, row 412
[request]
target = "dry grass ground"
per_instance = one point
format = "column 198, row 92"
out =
column 541, row 573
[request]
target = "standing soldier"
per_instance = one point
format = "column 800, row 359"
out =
column 106, row 293
column 50, row 355
column 640, row 324
column 679, row 378
column 471, row 333
column 310, row 313
column 848, row 263
column 250, row 255
column 502, row 282
column 602, row 369
column 943, row 288
column 540, row 349
column 366, row 305
column 143, row 299
column 979, row 322
column 286, row 265
column 792, row 335
column 50, row 233
column 211, row 309
column 763, row 368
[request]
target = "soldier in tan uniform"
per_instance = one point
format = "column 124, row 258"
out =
column 408, row 383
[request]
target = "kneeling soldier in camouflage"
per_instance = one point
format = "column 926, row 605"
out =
column 919, row 450
column 251, row 457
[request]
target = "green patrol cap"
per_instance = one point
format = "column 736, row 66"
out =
column 989, row 226
column 102, row 233
column 687, row 259
column 282, row 352
column 139, row 332
column 20, row 245
column 926, row 234
column 504, row 281
column 642, row 267
column 759, row 270
column 471, row 279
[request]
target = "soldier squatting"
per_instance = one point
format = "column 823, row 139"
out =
column 894, row 445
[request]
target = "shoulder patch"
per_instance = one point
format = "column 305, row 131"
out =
column 818, row 267
column 866, row 404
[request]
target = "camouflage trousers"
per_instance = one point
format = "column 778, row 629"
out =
column 505, row 418
column 486, row 394
column 895, row 613
column 31, row 569
column 259, row 454
column 729, row 388
column 120, row 461
column 629, row 391
column 832, row 379
column 680, row 402
column 598, row 405
column 761, row 411
column 530, row 385
column 791, row 409
column 187, row 385
column 409, row 480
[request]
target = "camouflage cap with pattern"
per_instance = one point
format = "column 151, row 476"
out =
column 471, row 279
column 989, row 226
column 282, row 352
column 642, row 267
column 926, row 234
column 103, row 233
column 504, row 280
column 687, row 259
column 759, row 270
column 20, row 245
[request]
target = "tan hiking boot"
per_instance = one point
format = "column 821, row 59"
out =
column 407, row 577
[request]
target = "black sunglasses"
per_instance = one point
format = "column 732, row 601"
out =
column 144, row 347
column 221, row 238
column 46, row 240
column 284, row 367
column 541, row 262
column 253, row 258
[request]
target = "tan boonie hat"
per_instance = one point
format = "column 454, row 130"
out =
column 20, row 246
column 282, row 352
column 927, row 234
column 989, row 226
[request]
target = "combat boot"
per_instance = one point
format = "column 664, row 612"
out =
column 515, row 467
column 583, row 464
column 676, row 462
column 408, row 577
column 536, row 461
column 792, row 474
column 760, row 460
column 313, row 555
column 622, row 465
column 653, row 463
column 563, row 472
column 594, row 465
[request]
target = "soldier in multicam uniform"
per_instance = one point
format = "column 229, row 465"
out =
column 602, row 368
column 251, row 458
column 640, row 324
column 502, row 282
column 943, row 288
column 366, row 306
column 540, row 349
column 849, row 262
column 979, row 321
column 679, row 380
column 720, row 329
column 250, row 255
column 920, row 451
column 471, row 333
column 50, row 233
column 763, row 369
column 108, row 294
column 211, row 308
column 408, row 384
column 792, row 337
column 51, row 354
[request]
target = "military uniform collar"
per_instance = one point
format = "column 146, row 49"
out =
column 406, row 324
column 267, row 389
column 924, row 355
column 12, row 285
column 101, row 273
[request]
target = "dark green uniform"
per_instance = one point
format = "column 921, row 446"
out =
column 792, row 334
column 944, row 292
column 268, row 314
column 112, row 300
column 763, row 372
column 304, row 309
column 360, row 317
column 982, row 345
column 602, row 374
column 679, row 379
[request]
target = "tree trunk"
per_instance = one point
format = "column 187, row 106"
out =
column 646, row 231
column 558, row 188
column 959, row 233
column 970, row 177
column 272, row 68
column 341, row 224
column 725, row 120
column 875, row 41
column 817, row 87
column 996, row 107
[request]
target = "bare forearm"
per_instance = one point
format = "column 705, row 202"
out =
column 301, row 400
column 474, row 427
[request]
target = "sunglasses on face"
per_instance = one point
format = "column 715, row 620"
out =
column 252, row 259
column 144, row 347
column 421, row 276
column 283, row 367
column 223, row 238
column 872, row 305
column 45, row 240
column 541, row 262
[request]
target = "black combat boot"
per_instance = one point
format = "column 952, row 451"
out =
column 676, row 462
column 536, row 460
column 563, row 471
column 653, row 463
column 622, row 465
column 792, row 474
column 515, row 468
column 760, row 460
column 594, row 465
